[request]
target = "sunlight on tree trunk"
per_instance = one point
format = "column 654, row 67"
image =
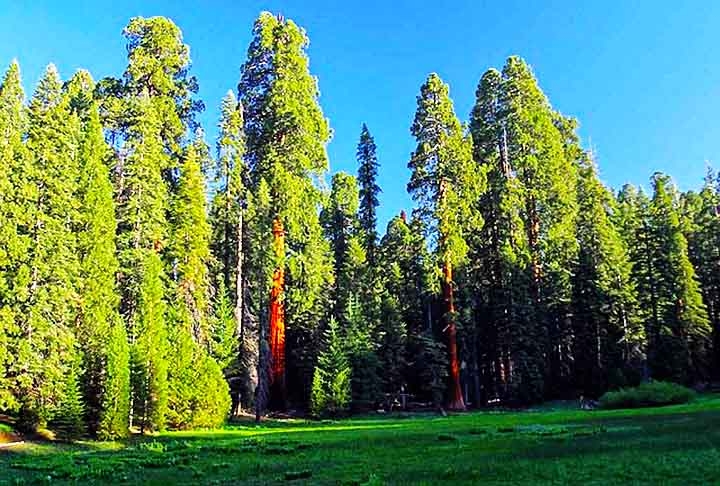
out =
column 277, row 320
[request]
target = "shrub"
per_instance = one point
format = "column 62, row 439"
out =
column 652, row 394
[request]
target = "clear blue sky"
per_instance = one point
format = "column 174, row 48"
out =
column 643, row 77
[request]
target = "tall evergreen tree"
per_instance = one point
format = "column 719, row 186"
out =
column 528, row 150
column 286, row 150
column 608, row 336
column 410, row 283
column 443, row 181
column 46, row 346
column 340, row 222
column 678, row 327
column 500, row 254
column 369, row 191
column 148, row 112
column 14, row 186
column 189, row 332
column 703, row 234
column 228, row 215
column 143, row 200
column 101, row 333
column 331, row 379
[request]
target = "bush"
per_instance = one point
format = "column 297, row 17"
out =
column 652, row 394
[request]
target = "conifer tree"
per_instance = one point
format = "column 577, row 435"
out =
column 369, row 191
column 286, row 150
column 443, row 181
column 190, row 338
column 143, row 229
column 608, row 334
column 536, row 149
column 67, row 421
column 101, row 334
column 190, row 243
column 678, row 327
column 13, row 243
column 331, row 379
column 530, row 152
column 410, row 281
column 148, row 112
column 703, row 234
column 45, row 344
column 149, row 347
column 228, row 241
column 500, row 267
column 340, row 222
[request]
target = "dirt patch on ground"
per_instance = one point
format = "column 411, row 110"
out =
column 7, row 437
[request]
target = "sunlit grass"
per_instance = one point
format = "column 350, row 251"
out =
column 667, row 445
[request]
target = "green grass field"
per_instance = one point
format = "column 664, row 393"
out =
column 669, row 445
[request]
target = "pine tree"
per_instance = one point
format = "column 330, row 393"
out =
column 286, row 150
column 678, row 328
column 143, row 229
column 67, row 421
column 148, row 113
column 393, row 345
column 190, row 338
column 340, row 222
column 116, row 392
column 158, row 63
column 149, row 348
column 190, row 243
column 499, row 252
column 410, row 281
column 48, row 307
column 369, row 191
column 530, row 153
column 536, row 149
column 105, row 379
column 331, row 379
column 13, row 243
column 703, row 234
column 444, row 181
column 608, row 336
column 228, row 221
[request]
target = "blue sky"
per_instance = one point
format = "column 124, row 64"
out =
column 643, row 77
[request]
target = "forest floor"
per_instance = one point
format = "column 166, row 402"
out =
column 668, row 445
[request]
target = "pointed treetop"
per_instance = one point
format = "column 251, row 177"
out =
column 80, row 91
column 49, row 90
column 11, row 85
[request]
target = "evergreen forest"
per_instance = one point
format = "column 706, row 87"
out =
column 153, row 279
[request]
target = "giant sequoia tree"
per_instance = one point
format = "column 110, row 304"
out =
column 286, row 137
column 149, row 111
column 443, row 180
column 531, row 207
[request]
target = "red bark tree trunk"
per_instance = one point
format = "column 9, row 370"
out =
column 456, row 401
column 277, row 321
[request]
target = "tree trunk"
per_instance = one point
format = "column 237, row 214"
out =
column 456, row 401
column 277, row 321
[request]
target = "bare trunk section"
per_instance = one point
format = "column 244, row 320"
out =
column 456, row 401
column 247, row 335
column 277, row 322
